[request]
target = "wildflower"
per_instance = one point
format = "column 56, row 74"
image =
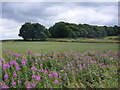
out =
column 12, row 62
column 53, row 56
column 68, row 65
column 98, row 74
column 18, row 68
column 28, row 85
column 3, row 85
column 61, row 83
column 41, row 70
column 15, row 74
column 64, row 78
column 43, row 58
column 33, row 84
column 19, row 81
column 55, row 74
column 33, row 76
column 64, row 67
column 73, row 67
column 28, row 49
column 2, row 59
column 60, row 77
column 81, row 68
column 40, row 64
column 33, row 68
column 6, row 76
column 5, row 50
column 65, row 74
column 100, row 63
column 56, row 81
column 49, row 58
column 37, row 60
column 76, row 69
column 10, row 53
column 13, row 83
column 37, row 78
column 84, row 64
column 23, row 62
column 16, row 54
column 45, row 72
column 5, row 66
column 79, row 65
column 68, row 68
column 38, row 54
column 49, row 75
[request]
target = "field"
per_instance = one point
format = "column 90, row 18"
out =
column 21, row 47
column 59, row 65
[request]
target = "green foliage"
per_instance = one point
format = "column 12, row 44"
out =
column 71, row 30
column 34, row 31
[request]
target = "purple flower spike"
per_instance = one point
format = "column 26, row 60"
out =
column 23, row 62
column 37, row 78
column 45, row 72
column 33, row 84
column 50, row 75
column 56, row 81
column 33, row 68
column 5, row 50
column 55, row 74
column 6, row 76
column 18, row 68
column 4, row 85
column 81, row 68
column 33, row 76
column 13, row 83
column 19, row 81
column 43, row 58
column 5, row 66
column 15, row 74
column 64, row 67
column 65, row 74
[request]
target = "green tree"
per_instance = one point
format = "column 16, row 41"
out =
column 59, row 30
column 33, row 31
column 27, row 31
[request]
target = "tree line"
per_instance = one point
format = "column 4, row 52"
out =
column 36, row 31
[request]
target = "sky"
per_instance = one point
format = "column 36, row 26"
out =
column 15, row 14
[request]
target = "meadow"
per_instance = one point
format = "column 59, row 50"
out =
column 36, row 47
column 59, row 65
column 91, row 69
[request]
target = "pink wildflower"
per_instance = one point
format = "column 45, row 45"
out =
column 56, row 81
column 33, row 68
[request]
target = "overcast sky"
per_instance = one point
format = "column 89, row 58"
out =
column 14, row 14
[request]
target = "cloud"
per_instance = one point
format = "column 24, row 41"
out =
column 9, row 29
column 14, row 14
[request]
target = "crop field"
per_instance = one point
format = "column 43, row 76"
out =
column 59, row 65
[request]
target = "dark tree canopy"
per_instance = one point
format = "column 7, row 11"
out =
column 71, row 30
column 33, row 31
column 36, row 31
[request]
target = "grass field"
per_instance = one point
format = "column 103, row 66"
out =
column 59, row 64
column 108, row 39
column 21, row 47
